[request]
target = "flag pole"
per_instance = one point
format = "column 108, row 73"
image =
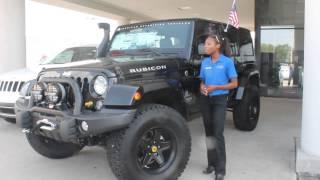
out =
column 226, row 29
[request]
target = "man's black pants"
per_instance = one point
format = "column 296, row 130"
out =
column 214, row 114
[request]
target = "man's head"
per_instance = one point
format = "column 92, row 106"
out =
column 212, row 44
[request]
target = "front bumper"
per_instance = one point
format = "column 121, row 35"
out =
column 7, row 110
column 67, row 127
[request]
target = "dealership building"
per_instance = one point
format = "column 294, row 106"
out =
column 286, row 46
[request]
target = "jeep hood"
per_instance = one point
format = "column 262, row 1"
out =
column 129, row 69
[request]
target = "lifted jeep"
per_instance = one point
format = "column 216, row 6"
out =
column 136, row 101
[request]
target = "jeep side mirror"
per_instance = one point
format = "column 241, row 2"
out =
column 201, row 50
column 200, row 54
column 102, row 48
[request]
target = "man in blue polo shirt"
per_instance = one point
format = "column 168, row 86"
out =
column 218, row 76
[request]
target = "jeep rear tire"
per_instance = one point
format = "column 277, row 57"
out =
column 10, row 120
column 156, row 146
column 51, row 148
column 246, row 112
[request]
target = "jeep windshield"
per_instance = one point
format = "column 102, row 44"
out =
column 138, row 42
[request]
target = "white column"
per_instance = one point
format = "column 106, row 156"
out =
column 12, row 35
column 310, row 133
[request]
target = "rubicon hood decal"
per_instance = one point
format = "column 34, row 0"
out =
column 148, row 69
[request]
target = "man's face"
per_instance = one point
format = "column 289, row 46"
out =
column 211, row 46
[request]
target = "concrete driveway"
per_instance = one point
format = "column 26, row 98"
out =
column 265, row 154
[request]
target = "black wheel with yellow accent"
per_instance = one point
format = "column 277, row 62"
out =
column 156, row 145
column 156, row 150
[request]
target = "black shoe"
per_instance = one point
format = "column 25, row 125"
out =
column 208, row 170
column 219, row 177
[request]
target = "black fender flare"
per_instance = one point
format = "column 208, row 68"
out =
column 251, row 78
column 157, row 92
column 121, row 95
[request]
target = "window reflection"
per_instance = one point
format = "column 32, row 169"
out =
column 282, row 61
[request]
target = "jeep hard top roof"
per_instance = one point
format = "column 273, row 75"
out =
column 175, row 20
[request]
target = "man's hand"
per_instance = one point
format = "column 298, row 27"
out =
column 233, row 84
column 203, row 89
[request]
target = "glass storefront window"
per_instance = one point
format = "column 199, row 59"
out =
column 280, row 37
column 284, row 70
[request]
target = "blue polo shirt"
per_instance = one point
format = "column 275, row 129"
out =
column 217, row 73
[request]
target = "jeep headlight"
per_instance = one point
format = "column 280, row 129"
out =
column 100, row 85
column 38, row 92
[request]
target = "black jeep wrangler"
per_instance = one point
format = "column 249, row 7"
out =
column 137, row 99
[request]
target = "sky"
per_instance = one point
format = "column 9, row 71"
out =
column 51, row 29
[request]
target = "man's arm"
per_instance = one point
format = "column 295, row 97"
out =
column 233, row 84
column 203, row 88
column 232, row 75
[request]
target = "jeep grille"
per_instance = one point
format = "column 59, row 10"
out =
column 84, row 87
column 11, row 86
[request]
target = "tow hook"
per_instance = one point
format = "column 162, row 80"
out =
column 26, row 131
column 45, row 124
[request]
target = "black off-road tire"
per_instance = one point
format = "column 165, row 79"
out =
column 51, row 148
column 121, row 145
column 246, row 112
column 10, row 120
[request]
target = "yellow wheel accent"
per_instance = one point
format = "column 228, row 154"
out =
column 154, row 149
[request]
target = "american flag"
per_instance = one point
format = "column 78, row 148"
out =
column 233, row 16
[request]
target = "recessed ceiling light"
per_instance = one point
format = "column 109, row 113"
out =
column 184, row 8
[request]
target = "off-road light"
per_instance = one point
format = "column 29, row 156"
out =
column 37, row 92
column 84, row 126
column 54, row 93
column 100, row 85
